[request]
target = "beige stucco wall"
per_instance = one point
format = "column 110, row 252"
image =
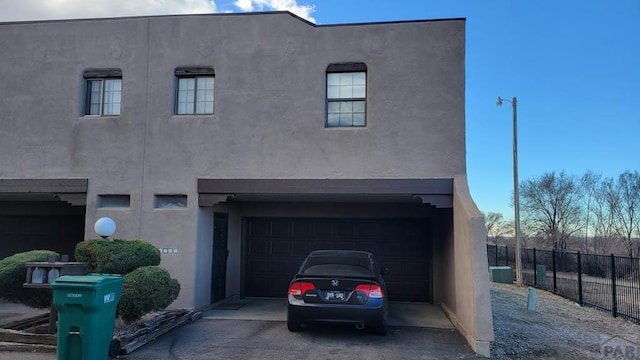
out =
column 269, row 110
column 268, row 123
column 468, row 302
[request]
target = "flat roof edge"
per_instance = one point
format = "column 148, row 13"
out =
column 133, row 17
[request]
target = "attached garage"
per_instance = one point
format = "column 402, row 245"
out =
column 44, row 214
column 275, row 248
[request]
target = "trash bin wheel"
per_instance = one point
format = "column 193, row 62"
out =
column 114, row 348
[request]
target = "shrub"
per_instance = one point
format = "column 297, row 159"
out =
column 146, row 289
column 13, row 274
column 116, row 256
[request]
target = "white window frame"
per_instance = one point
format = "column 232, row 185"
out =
column 346, row 95
column 106, row 97
column 195, row 91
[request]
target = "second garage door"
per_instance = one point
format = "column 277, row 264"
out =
column 277, row 246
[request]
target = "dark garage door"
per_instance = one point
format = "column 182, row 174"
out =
column 35, row 225
column 277, row 246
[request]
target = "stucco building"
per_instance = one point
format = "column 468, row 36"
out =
column 237, row 143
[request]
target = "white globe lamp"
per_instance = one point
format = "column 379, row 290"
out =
column 105, row 227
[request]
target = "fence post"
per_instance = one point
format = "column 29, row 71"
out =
column 506, row 255
column 555, row 283
column 535, row 269
column 614, row 303
column 579, row 279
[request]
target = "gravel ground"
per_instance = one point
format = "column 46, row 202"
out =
column 557, row 328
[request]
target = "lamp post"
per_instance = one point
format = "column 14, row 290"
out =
column 516, row 192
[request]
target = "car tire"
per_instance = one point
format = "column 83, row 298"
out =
column 294, row 326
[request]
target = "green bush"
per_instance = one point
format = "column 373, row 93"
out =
column 146, row 289
column 13, row 274
column 116, row 256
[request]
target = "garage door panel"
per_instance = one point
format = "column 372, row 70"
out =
column 368, row 246
column 277, row 247
column 390, row 230
column 413, row 231
column 259, row 246
column 281, row 247
column 323, row 230
column 280, row 229
column 419, row 269
column 413, row 250
column 302, row 229
column 415, row 291
column 258, row 228
column 258, row 267
column 368, row 229
column 393, row 249
column 301, row 248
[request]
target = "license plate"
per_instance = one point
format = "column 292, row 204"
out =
column 335, row 296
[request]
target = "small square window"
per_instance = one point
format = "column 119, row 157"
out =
column 114, row 201
column 104, row 97
column 169, row 201
column 195, row 95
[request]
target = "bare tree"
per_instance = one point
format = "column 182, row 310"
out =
column 604, row 224
column 551, row 204
column 497, row 227
column 624, row 199
column 590, row 182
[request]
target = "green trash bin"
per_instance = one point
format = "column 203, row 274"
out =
column 86, row 315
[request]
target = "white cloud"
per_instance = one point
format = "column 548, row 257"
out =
column 22, row 10
column 304, row 11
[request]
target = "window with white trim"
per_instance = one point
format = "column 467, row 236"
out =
column 194, row 95
column 346, row 95
column 103, row 95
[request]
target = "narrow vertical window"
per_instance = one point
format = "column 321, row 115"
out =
column 103, row 92
column 346, row 95
column 195, row 87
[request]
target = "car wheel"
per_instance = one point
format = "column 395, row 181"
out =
column 293, row 326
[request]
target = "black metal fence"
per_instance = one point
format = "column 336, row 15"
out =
column 607, row 282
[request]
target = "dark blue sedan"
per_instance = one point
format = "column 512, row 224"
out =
column 338, row 287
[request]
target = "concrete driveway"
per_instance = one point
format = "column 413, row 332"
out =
column 265, row 339
column 400, row 313
column 256, row 329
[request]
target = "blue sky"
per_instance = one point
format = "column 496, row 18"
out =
column 574, row 66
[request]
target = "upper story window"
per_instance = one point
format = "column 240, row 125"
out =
column 195, row 90
column 103, row 92
column 346, row 94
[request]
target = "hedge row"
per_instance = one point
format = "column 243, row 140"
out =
column 116, row 256
column 13, row 275
column 146, row 289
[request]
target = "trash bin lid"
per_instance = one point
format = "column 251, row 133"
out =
column 93, row 281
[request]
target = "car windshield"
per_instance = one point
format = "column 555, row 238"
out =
column 338, row 265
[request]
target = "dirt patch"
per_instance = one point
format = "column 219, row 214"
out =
column 557, row 328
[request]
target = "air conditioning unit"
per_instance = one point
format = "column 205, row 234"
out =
column 501, row 274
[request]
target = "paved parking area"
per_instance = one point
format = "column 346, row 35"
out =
column 258, row 330
column 246, row 339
